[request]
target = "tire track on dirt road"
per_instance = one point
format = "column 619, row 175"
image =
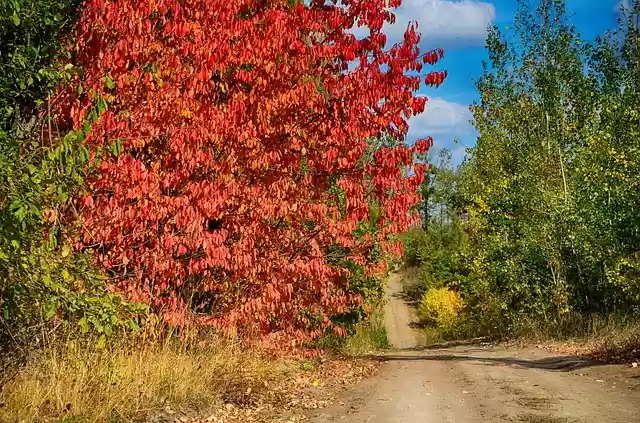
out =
column 483, row 383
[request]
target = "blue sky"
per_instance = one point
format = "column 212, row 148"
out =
column 459, row 26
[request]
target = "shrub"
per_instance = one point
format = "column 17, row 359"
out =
column 441, row 307
column 45, row 283
column 415, row 245
column 240, row 170
column 30, row 40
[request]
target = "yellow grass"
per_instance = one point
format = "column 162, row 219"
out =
column 608, row 337
column 122, row 383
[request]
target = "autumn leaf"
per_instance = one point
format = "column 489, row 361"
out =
column 227, row 145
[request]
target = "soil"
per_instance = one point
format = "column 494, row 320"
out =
column 482, row 383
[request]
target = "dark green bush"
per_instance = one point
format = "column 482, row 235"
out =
column 551, row 219
column 45, row 284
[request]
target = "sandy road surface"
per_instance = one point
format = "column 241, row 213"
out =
column 479, row 383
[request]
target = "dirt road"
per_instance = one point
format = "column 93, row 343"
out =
column 484, row 383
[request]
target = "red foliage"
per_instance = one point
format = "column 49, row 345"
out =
column 436, row 78
column 433, row 56
column 235, row 116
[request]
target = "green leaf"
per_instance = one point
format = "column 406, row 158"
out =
column 133, row 324
column 109, row 82
column 116, row 147
column 102, row 342
column 65, row 251
column 83, row 155
column 62, row 194
column 84, row 325
column 51, row 310
column 34, row 209
column 101, row 106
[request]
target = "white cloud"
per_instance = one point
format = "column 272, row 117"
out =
column 458, row 153
column 444, row 121
column 444, row 23
column 442, row 118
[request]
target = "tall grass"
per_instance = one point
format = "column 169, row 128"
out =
column 129, row 380
column 125, row 382
column 610, row 336
column 367, row 336
column 370, row 335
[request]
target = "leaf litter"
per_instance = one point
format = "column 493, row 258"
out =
column 285, row 401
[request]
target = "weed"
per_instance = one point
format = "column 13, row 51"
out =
column 76, row 382
column 370, row 335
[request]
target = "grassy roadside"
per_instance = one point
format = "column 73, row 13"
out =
column 129, row 381
column 74, row 382
column 369, row 336
column 613, row 338
column 610, row 338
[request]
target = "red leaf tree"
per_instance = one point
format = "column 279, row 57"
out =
column 234, row 119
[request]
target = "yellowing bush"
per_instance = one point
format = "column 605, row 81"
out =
column 441, row 306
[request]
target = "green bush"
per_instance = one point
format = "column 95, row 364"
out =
column 45, row 283
column 415, row 245
column 42, row 276
column 440, row 253
column 31, row 34
column 550, row 228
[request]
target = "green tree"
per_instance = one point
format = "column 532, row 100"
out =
column 606, row 174
column 549, row 197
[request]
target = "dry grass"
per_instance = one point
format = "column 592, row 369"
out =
column 124, row 383
column 370, row 336
column 613, row 337
column 77, row 382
